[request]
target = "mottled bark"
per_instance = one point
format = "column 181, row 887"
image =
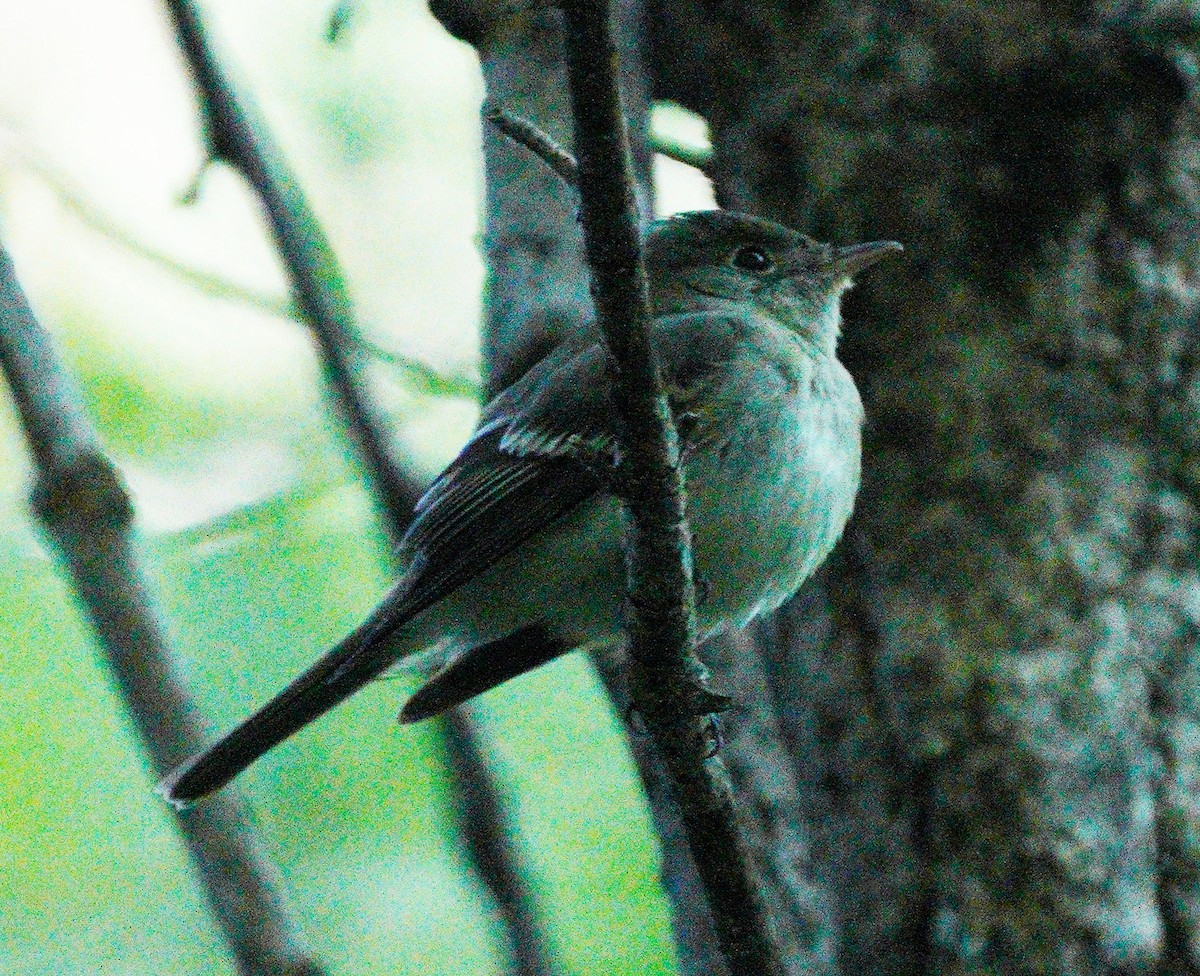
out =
column 536, row 286
column 991, row 695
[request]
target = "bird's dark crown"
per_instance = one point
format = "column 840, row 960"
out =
column 688, row 238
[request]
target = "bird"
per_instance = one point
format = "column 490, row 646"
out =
column 515, row 554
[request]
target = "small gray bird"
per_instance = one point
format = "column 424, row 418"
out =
column 515, row 555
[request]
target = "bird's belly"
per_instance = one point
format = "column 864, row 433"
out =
column 765, row 515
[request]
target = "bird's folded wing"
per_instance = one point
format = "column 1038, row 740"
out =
column 523, row 470
column 543, row 447
column 486, row 504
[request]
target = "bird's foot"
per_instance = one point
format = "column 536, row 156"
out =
column 714, row 735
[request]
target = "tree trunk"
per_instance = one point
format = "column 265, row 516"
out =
column 990, row 695
column 969, row 746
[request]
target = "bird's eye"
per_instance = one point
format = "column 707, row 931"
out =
column 751, row 258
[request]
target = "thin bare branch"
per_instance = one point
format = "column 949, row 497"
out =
column 681, row 152
column 321, row 293
column 318, row 282
column 667, row 682
column 558, row 158
column 83, row 506
column 485, row 826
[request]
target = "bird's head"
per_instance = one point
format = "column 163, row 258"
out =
column 714, row 260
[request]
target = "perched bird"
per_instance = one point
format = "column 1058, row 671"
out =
column 515, row 554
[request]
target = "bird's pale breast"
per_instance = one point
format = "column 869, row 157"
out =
column 768, row 505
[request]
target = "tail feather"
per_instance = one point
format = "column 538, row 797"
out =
column 336, row 676
column 481, row 668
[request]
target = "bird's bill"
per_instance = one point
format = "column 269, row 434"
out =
column 855, row 257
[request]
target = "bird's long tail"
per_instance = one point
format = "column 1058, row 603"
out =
column 336, row 676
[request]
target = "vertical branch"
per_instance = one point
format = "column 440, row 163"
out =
column 666, row 677
column 537, row 298
column 319, row 284
column 82, row 504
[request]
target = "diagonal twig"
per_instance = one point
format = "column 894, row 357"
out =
column 665, row 674
column 82, row 504
column 522, row 131
column 484, row 822
column 319, row 285
column 318, row 282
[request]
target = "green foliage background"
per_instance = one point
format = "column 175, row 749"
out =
column 255, row 521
